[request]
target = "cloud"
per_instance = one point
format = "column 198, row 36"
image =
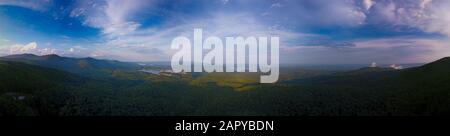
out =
column 113, row 17
column 17, row 49
column 306, row 14
column 126, row 39
column 40, row 5
column 77, row 51
column 368, row 4
column 398, row 50
column 405, row 49
column 438, row 17
column 394, row 66
column 126, row 36
column 225, row 1
column 276, row 5
column 31, row 48
column 28, row 47
column 153, row 44
column 430, row 16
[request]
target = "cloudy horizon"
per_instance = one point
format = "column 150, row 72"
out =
column 310, row 31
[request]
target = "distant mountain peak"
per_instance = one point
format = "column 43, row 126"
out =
column 26, row 54
column 370, row 70
column 20, row 55
column 83, row 66
column 375, row 69
column 89, row 58
column 51, row 55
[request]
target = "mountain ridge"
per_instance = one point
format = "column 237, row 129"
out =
column 83, row 66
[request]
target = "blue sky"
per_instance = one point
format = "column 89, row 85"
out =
column 311, row 31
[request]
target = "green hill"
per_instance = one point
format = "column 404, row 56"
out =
column 21, row 77
column 21, row 83
column 435, row 72
column 424, row 90
column 83, row 66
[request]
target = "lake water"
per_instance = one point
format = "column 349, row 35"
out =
column 151, row 71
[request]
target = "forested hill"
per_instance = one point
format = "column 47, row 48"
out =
column 84, row 66
column 23, row 86
column 21, row 77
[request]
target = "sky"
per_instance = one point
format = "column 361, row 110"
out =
column 310, row 31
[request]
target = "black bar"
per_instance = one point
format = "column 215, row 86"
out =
column 281, row 125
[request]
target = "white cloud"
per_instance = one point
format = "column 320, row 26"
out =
column 373, row 65
column 405, row 49
column 225, row 1
column 46, row 51
column 368, row 4
column 18, row 48
column 430, row 16
column 126, row 41
column 438, row 17
column 384, row 51
column 31, row 48
column 40, row 5
column 220, row 25
column 276, row 5
column 316, row 13
column 113, row 17
column 394, row 66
